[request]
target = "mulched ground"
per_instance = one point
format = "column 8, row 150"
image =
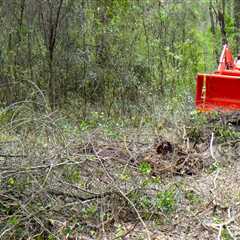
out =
column 85, row 187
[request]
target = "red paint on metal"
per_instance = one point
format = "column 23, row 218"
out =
column 220, row 90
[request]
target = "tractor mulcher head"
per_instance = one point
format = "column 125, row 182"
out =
column 220, row 91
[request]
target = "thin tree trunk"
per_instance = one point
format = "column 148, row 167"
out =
column 213, row 30
column 84, row 63
column 221, row 20
column 30, row 64
column 53, row 25
column 237, row 24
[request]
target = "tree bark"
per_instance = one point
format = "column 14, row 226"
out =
column 102, row 18
column 237, row 24
column 213, row 29
column 221, row 21
column 50, row 28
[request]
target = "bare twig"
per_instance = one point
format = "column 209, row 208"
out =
column 211, row 147
column 124, row 195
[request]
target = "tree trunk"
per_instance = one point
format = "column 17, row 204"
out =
column 221, row 21
column 102, row 18
column 50, row 29
column 237, row 24
column 213, row 30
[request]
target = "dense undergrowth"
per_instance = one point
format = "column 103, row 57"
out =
column 105, row 177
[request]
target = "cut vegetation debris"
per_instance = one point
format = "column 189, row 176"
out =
column 160, row 187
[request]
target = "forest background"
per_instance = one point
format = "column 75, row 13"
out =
column 117, row 56
column 99, row 136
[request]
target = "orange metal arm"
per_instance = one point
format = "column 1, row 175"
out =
column 226, row 60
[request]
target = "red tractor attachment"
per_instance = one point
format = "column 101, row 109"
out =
column 220, row 91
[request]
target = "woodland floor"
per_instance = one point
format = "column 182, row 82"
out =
column 179, row 182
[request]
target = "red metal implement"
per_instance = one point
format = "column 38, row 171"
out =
column 220, row 90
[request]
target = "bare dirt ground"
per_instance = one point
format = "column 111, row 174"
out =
column 141, row 185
